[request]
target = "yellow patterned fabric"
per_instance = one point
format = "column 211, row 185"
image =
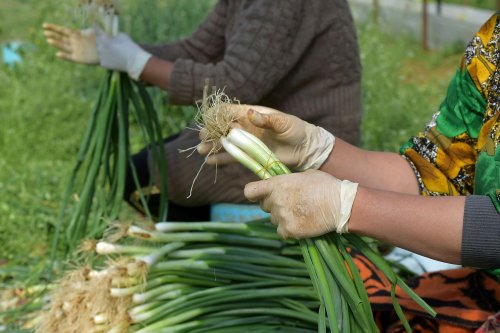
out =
column 458, row 152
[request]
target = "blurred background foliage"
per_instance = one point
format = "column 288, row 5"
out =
column 44, row 106
column 486, row 4
column 45, row 102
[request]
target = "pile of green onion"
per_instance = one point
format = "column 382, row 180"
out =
column 189, row 277
column 215, row 277
column 105, row 150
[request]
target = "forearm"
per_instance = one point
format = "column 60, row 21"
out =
column 430, row 226
column 157, row 72
column 169, row 52
column 378, row 170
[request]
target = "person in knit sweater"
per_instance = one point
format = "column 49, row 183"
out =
column 298, row 56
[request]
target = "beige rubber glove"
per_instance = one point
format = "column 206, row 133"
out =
column 307, row 204
column 74, row 45
column 297, row 143
column 93, row 46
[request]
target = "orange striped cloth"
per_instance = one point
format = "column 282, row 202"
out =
column 463, row 298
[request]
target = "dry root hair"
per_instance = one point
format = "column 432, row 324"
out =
column 81, row 296
column 215, row 118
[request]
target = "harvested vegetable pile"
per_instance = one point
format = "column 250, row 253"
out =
column 105, row 149
column 189, row 277
column 207, row 277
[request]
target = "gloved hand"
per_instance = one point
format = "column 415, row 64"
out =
column 297, row 143
column 307, row 204
column 121, row 53
column 93, row 46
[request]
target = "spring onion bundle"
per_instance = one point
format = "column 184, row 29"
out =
column 105, row 149
column 344, row 300
column 189, row 277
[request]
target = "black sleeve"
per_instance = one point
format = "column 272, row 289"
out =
column 481, row 233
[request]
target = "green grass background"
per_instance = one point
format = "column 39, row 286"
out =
column 45, row 102
column 486, row 4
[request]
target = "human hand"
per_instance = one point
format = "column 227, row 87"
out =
column 295, row 142
column 74, row 45
column 305, row 205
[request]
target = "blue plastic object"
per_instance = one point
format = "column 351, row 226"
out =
column 10, row 53
column 225, row 212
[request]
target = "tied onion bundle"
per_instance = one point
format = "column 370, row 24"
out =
column 104, row 152
column 344, row 300
column 189, row 277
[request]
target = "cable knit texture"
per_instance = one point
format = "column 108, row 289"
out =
column 298, row 56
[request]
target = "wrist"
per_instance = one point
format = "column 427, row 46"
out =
column 138, row 63
column 318, row 144
column 348, row 191
column 157, row 72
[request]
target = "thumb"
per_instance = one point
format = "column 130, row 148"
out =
column 276, row 122
column 256, row 191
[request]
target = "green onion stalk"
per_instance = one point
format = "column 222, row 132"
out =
column 188, row 277
column 344, row 300
column 95, row 190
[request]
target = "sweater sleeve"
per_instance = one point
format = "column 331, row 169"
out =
column 205, row 45
column 267, row 40
column 481, row 232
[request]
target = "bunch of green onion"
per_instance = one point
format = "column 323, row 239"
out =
column 189, row 277
column 344, row 300
column 105, row 150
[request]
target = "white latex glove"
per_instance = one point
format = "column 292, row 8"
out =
column 121, row 53
column 74, row 45
column 295, row 142
column 307, row 204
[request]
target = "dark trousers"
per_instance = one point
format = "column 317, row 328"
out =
column 175, row 212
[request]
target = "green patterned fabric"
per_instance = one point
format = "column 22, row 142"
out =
column 459, row 153
column 463, row 108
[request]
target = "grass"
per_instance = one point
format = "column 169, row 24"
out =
column 45, row 102
column 402, row 86
column 485, row 4
column 45, row 105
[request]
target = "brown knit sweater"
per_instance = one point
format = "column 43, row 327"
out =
column 298, row 56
